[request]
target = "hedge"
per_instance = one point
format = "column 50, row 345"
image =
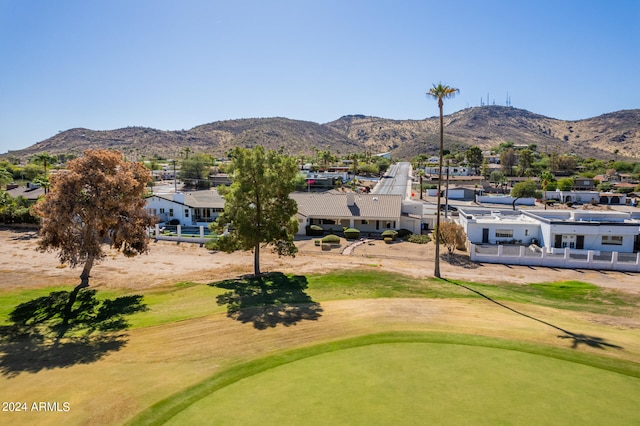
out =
column 351, row 233
column 314, row 231
column 389, row 233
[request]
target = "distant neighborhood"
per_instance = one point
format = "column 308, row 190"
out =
column 577, row 213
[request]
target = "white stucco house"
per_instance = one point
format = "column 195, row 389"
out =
column 554, row 230
column 197, row 208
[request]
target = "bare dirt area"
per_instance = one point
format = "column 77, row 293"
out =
column 21, row 265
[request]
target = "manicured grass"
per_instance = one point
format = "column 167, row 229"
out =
column 412, row 378
column 187, row 300
column 182, row 301
column 570, row 295
column 9, row 299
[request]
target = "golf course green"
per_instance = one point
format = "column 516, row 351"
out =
column 359, row 381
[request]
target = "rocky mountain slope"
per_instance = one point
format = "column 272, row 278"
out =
column 615, row 134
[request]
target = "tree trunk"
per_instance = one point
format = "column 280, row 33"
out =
column 436, row 270
column 84, row 283
column 256, row 260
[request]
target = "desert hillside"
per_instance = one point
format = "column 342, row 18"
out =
column 614, row 134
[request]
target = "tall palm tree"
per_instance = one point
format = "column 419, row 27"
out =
column 440, row 92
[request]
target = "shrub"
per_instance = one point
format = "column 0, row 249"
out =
column 452, row 235
column 389, row 233
column 314, row 231
column 388, row 240
column 331, row 239
column 418, row 239
column 211, row 244
column 317, row 242
column 351, row 233
column 174, row 222
column 404, row 233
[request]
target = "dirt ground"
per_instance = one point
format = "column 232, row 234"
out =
column 22, row 266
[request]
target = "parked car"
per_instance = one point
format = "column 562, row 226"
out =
column 450, row 207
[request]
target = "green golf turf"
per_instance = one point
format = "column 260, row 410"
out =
column 422, row 383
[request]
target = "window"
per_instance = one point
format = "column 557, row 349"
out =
column 504, row 233
column 526, row 232
column 612, row 240
column 171, row 212
column 186, row 212
column 161, row 211
column 364, row 222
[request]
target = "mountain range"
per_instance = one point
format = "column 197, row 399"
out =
column 615, row 134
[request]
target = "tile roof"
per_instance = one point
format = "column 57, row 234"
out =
column 334, row 205
column 29, row 193
column 197, row 199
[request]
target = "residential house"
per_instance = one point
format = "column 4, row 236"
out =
column 452, row 171
column 369, row 213
column 197, row 208
column 30, row 192
column 460, row 193
column 553, row 230
column 584, row 184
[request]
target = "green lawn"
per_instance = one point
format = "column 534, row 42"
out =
column 187, row 300
column 409, row 377
column 412, row 378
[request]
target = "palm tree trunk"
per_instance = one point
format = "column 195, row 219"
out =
column 436, row 270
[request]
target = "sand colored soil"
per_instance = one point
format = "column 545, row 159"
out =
column 21, row 265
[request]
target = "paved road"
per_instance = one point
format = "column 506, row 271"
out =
column 395, row 181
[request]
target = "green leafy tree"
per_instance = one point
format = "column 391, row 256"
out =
column 97, row 202
column 474, row 158
column 484, row 168
column 508, row 161
column 440, row 92
column 565, row 184
column 547, row 182
column 45, row 160
column 5, row 176
column 525, row 162
column 194, row 171
column 257, row 204
column 524, row 189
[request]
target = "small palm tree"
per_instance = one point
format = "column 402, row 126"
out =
column 440, row 92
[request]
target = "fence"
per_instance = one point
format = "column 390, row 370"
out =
column 191, row 234
column 535, row 256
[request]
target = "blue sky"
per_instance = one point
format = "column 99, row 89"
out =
column 171, row 65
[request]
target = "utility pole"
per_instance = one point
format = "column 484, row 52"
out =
column 175, row 182
column 446, row 197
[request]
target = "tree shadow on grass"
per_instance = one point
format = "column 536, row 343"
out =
column 43, row 335
column 576, row 339
column 268, row 300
